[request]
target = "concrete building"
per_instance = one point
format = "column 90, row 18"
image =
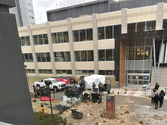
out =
column 118, row 43
column 24, row 12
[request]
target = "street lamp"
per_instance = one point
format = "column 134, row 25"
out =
column 48, row 82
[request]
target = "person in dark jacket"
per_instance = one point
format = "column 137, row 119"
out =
column 161, row 98
column 156, row 98
column 93, row 86
column 156, row 86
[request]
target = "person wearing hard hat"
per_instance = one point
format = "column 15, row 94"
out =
column 42, row 109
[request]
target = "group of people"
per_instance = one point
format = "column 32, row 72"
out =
column 101, row 88
column 157, row 96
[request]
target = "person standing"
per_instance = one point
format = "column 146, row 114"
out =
column 93, row 86
column 156, row 98
column 156, row 86
column 152, row 98
column 161, row 98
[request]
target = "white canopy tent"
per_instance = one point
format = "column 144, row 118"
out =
column 94, row 79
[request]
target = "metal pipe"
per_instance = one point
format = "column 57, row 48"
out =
column 154, row 60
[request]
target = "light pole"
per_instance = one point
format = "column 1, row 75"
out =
column 48, row 82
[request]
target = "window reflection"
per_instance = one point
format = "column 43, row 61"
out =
column 101, row 32
column 65, row 35
column 82, row 35
column 43, row 57
column 139, row 53
column 147, row 53
column 131, row 28
column 84, row 55
column 54, row 38
column 150, row 25
column 28, row 57
column 89, row 34
column 60, row 37
column 164, row 24
column 62, row 56
column 109, row 32
column 106, row 55
column 141, row 27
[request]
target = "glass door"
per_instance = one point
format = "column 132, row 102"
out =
column 138, row 79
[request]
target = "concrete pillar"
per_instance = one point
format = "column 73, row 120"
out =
column 124, row 21
column 51, row 48
column 70, row 34
column 95, row 42
column 33, row 50
column 159, row 21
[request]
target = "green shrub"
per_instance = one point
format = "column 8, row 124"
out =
column 46, row 119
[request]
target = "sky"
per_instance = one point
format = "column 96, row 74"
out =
column 41, row 6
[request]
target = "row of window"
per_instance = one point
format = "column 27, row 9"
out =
column 62, row 56
column 84, row 55
column 63, row 72
column 43, row 57
column 109, row 32
column 60, row 37
column 40, row 39
column 106, row 72
column 28, row 57
column 83, row 35
column 106, row 55
column 78, row 72
column 84, row 72
column 141, row 26
column 45, row 71
column 25, row 41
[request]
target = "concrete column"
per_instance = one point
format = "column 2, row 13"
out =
column 33, row 50
column 51, row 48
column 124, row 21
column 95, row 42
column 70, row 34
column 159, row 21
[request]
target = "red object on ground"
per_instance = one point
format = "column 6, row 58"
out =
column 46, row 99
column 110, row 104
column 34, row 100
column 67, row 81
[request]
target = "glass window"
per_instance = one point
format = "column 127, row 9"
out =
column 117, row 30
column 82, row 35
column 69, row 72
column 45, row 71
column 79, row 72
column 31, row 58
column 48, row 57
column 150, row 25
column 67, row 56
column 90, row 72
column 63, row 72
column 76, row 36
column 147, row 53
column 140, row 42
column 43, row 56
column 26, row 57
column 58, row 71
column 49, row 71
column 40, row 71
column 61, row 57
column 54, row 38
column 65, row 35
column 148, row 42
column 40, row 39
column 109, row 72
column 89, row 34
column 33, row 70
column 131, row 43
column 130, row 53
column 60, row 37
column 101, row 72
column 139, row 53
column 77, row 56
column 84, row 72
column 101, row 55
column 90, row 56
column 109, row 55
column 56, row 56
column 35, row 40
column 83, row 56
column 38, row 57
column 141, row 27
column 164, row 24
column 109, row 32
column 27, row 40
column 131, row 28
column 45, row 36
column 101, row 32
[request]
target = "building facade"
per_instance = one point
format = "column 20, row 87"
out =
column 24, row 12
column 119, row 43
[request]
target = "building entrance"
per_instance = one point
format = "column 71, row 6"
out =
column 138, row 79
